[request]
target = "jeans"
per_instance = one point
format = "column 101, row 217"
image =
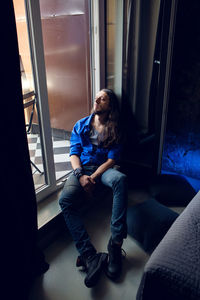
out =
column 72, row 199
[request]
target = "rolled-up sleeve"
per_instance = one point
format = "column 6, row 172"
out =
column 75, row 142
column 115, row 152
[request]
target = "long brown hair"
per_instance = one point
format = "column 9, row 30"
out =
column 111, row 133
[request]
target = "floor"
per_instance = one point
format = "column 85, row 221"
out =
column 61, row 158
column 64, row 281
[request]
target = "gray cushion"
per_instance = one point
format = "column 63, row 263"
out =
column 148, row 222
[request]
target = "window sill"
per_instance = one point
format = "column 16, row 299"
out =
column 48, row 209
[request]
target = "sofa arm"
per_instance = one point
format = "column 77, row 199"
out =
column 173, row 270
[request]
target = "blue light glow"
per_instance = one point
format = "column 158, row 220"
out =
column 181, row 155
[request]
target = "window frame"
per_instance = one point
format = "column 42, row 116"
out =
column 34, row 24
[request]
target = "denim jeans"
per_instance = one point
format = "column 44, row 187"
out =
column 72, row 199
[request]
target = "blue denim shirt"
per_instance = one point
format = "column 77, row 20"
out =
column 82, row 147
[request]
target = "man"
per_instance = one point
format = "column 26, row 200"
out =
column 94, row 150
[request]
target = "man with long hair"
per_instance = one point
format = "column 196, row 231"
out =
column 94, row 150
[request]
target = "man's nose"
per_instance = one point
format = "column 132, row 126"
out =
column 97, row 100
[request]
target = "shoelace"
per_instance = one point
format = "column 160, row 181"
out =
column 123, row 253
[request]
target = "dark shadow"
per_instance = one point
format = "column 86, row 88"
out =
column 100, row 290
column 171, row 190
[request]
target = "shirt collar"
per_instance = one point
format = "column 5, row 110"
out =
column 88, row 122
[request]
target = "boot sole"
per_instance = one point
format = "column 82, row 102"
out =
column 96, row 273
column 111, row 275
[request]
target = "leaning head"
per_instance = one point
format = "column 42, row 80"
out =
column 106, row 101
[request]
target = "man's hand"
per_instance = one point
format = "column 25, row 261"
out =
column 87, row 183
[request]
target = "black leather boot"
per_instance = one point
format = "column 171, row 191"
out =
column 114, row 266
column 93, row 264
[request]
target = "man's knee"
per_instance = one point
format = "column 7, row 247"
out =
column 70, row 196
column 65, row 201
column 119, row 179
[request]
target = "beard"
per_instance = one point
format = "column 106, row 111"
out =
column 100, row 112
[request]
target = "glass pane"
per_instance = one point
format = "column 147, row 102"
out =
column 66, row 49
column 29, row 99
column 181, row 151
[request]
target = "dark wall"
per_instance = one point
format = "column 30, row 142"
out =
column 184, row 102
column 18, row 203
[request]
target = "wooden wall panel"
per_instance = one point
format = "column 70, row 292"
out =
column 66, row 44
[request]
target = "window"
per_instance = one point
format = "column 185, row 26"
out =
column 54, row 48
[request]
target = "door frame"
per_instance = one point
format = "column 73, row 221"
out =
column 165, row 65
column 39, row 74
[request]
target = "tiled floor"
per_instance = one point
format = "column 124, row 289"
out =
column 61, row 158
